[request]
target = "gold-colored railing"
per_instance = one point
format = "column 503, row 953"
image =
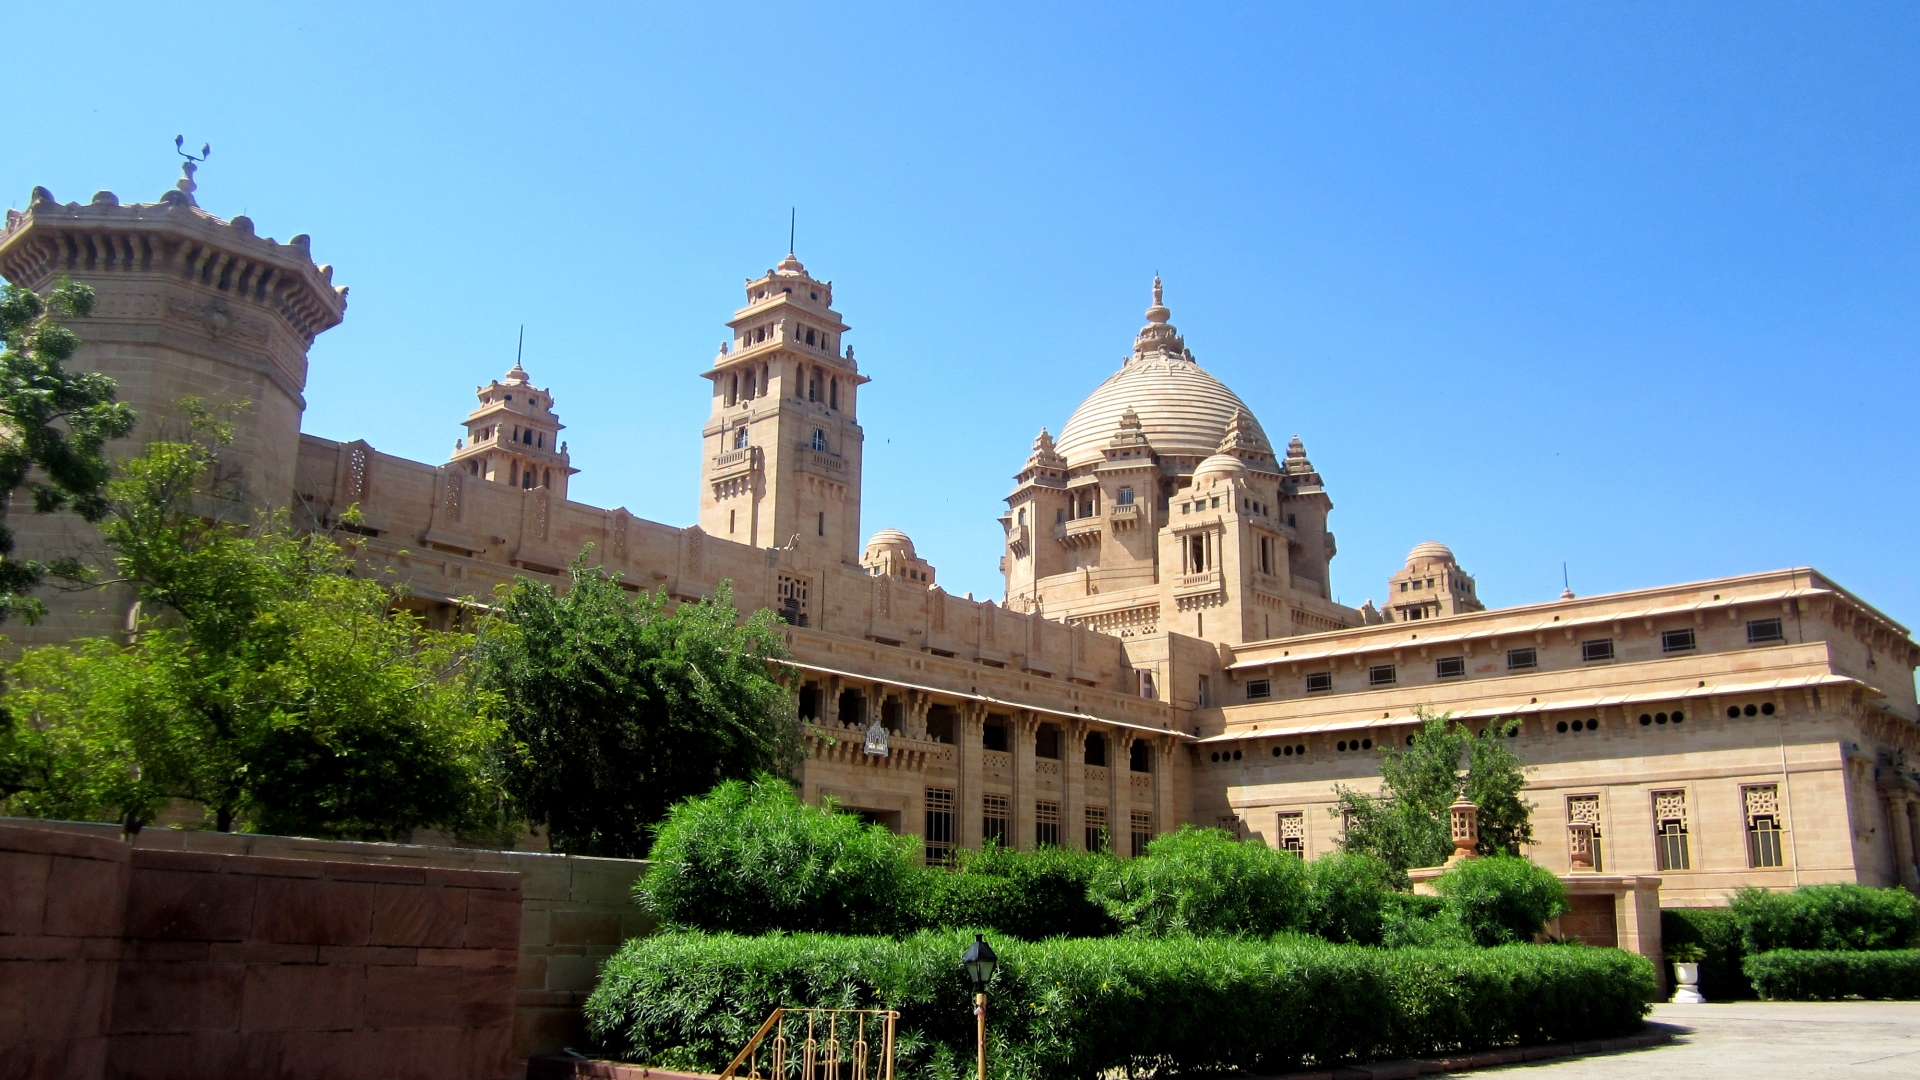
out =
column 819, row 1044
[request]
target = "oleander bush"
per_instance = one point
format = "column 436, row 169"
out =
column 1826, row 918
column 752, row 858
column 1501, row 898
column 1084, row 1007
column 1830, row 975
column 1204, row 881
column 1348, row 897
column 1025, row 894
column 1717, row 935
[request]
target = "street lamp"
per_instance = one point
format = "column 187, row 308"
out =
column 978, row 962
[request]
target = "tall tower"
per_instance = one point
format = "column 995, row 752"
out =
column 513, row 438
column 189, row 305
column 781, row 448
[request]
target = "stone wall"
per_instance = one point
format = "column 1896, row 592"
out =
column 574, row 911
column 62, row 914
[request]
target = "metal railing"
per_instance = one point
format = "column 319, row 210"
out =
column 824, row 1051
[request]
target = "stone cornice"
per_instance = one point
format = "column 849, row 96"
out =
column 175, row 239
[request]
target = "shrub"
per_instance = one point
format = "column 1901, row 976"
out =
column 1804, row 975
column 1203, row 881
column 1713, row 931
column 1826, row 917
column 753, row 858
column 1032, row 895
column 1084, row 1008
column 1347, row 897
column 1502, row 898
column 1415, row 921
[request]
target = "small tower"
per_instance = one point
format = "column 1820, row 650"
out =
column 890, row 554
column 783, row 445
column 1431, row 585
column 513, row 437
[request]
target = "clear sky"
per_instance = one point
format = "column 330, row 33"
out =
column 1630, row 287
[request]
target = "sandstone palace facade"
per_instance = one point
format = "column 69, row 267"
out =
column 1167, row 649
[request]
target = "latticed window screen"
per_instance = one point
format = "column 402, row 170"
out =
column 792, row 592
column 1046, row 823
column 1097, row 839
column 1142, row 831
column 996, row 823
column 1587, row 808
column 1293, row 832
column 1763, row 824
column 939, row 825
column 1670, row 830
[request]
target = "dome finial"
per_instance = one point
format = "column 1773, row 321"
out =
column 1158, row 313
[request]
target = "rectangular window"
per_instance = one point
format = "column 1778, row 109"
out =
column 1046, row 823
column 993, row 736
column 1764, row 630
column 1097, row 839
column 1763, row 823
column 1201, row 693
column 939, row 826
column 1670, row 829
column 1522, row 659
column 1319, row 682
column 1587, row 808
column 1676, row 640
column 1142, row 831
column 1381, row 675
column 1259, row 688
column 1597, row 649
column 792, row 592
column 996, row 824
column 1293, row 832
column 1450, row 667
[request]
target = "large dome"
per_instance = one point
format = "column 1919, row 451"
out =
column 1183, row 411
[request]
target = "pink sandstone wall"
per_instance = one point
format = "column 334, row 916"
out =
column 62, row 912
column 204, row 966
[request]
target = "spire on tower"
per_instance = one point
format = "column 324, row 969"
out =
column 1159, row 337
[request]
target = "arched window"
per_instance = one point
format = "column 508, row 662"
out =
column 833, row 393
column 733, row 389
column 813, row 385
column 749, row 386
column 740, row 437
column 1022, row 518
column 809, row 335
column 819, row 439
column 526, row 479
column 546, row 477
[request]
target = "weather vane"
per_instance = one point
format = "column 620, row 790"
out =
column 192, row 163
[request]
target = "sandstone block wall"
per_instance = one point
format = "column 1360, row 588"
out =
column 574, row 911
column 119, row 961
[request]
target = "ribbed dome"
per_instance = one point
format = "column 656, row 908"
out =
column 1430, row 550
column 1183, row 411
column 890, row 540
column 1224, row 466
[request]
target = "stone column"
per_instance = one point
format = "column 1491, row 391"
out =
column 967, row 750
column 1164, row 747
column 1120, row 811
column 1073, row 784
column 1022, row 729
column 1902, row 836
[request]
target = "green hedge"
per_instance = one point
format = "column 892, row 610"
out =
column 1827, row 917
column 1807, row 975
column 1079, row 1008
column 1027, row 894
column 1718, row 935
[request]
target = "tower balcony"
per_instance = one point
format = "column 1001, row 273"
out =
column 1078, row 533
column 1125, row 515
column 742, row 462
column 819, row 462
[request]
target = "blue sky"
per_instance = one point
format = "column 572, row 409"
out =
column 1628, row 286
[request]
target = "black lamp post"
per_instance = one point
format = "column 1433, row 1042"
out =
column 978, row 962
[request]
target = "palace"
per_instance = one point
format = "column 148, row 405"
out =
column 1167, row 649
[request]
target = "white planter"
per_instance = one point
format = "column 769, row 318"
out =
column 1688, row 990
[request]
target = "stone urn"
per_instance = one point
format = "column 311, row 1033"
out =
column 1687, row 976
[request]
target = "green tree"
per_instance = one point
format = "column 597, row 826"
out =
column 617, row 706
column 1406, row 826
column 54, row 426
column 265, row 681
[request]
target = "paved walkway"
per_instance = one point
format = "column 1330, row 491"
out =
column 1760, row 1040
